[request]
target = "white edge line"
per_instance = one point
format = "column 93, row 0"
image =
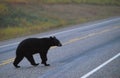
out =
column 65, row 31
column 100, row 66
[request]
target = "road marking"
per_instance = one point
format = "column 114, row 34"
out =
column 6, row 61
column 100, row 66
column 9, row 45
column 70, row 41
column 104, row 22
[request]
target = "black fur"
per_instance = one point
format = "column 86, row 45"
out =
column 31, row 46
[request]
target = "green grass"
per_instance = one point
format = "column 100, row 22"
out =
column 16, row 22
column 25, row 17
column 108, row 2
column 100, row 2
column 103, row 2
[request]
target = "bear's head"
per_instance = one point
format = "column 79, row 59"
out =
column 55, row 41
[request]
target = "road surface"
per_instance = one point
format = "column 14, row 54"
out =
column 90, row 50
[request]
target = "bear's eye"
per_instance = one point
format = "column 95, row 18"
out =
column 56, row 41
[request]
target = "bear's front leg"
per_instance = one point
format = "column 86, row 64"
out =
column 45, row 63
column 44, row 59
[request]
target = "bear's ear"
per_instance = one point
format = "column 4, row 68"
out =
column 54, row 37
column 51, row 37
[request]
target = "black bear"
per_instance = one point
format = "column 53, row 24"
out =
column 31, row 46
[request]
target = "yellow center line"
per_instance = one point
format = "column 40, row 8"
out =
column 7, row 61
column 70, row 41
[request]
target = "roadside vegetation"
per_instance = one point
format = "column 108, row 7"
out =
column 25, row 17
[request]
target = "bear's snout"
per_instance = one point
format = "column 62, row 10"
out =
column 59, row 45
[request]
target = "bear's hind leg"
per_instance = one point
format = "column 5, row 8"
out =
column 31, row 60
column 17, row 61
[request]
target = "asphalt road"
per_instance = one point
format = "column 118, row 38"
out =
column 90, row 50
